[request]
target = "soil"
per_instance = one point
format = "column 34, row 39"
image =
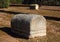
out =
column 51, row 13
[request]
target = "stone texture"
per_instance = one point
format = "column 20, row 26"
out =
column 29, row 25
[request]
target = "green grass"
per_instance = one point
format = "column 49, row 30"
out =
column 15, row 1
column 4, row 3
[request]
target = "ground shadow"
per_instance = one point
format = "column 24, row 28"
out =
column 11, row 12
column 51, row 9
column 9, row 32
column 52, row 18
column 16, row 5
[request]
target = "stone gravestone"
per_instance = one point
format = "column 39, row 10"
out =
column 29, row 25
column 34, row 6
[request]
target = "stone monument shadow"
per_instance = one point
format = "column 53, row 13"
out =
column 9, row 32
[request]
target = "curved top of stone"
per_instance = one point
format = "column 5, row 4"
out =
column 28, row 17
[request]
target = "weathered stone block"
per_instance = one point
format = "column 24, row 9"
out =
column 29, row 25
column 34, row 6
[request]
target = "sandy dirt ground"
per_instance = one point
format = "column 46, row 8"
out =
column 51, row 13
